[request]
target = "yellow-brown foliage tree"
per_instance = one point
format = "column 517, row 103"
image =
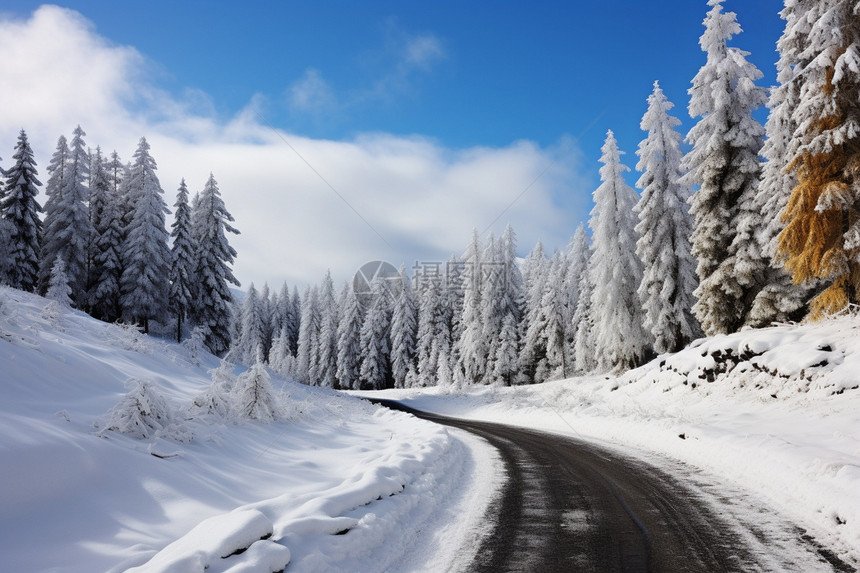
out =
column 821, row 239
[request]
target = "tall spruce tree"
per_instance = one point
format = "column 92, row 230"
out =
column 212, row 273
column 375, row 348
column 724, row 164
column 471, row 345
column 307, row 357
column 67, row 230
column 182, row 259
column 19, row 210
column 577, row 266
column 821, row 240
column 144, row 283
column 664, row 230
column 107, row 264
column 348, row 343
column 620, row 341
column 781, row 299
column 403, row 330
column 328, row 334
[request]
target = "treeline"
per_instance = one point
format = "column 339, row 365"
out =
column 103, row 245
column 771, row 233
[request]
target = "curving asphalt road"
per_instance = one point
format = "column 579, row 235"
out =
column 569, row 505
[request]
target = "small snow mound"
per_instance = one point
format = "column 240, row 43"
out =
column 212, row 539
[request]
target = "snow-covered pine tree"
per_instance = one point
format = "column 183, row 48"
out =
column 471, row 349
column 294, row 320
column 67, row 230
column 514, row 297
column 620, row 341
column 577, row 265
column 403, row 330
column 255, row 399
column 20, row 210
column 348, row 343
column 451, row 293
column 533, row 350
column 307, row 357
column 664, row 230
column 430, row 317
column 552, row 318
column 182, row 260
column 494, row 303
column 56, row 170
column 506, row 363
column 58, row 285
column 281, row 311
column 252, row 333
column 267, row 304
column 375, row 349
column 781, row 299
column 99, row 187
column 327, row 345
column 724, row 163
column 144, row 283
column 106, row 265
column 821, row 239
column 210, row 222
column 583, row 324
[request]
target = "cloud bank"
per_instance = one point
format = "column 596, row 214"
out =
column 417, row 199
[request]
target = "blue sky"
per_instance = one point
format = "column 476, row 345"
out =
column 460, row 77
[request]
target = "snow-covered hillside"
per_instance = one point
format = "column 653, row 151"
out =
column 334, row 484
column 770, row 413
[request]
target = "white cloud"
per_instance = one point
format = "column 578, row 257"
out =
column 423, row 50
column 423, row 198
column 311, row 93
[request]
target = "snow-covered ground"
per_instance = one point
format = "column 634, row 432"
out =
column 335, row 484
column 774, row 412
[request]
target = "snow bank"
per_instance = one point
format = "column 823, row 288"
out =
column 774, row 412
column 333, row 483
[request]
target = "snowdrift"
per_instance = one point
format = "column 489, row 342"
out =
column 333, row 483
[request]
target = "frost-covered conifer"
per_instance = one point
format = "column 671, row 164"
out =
column 109, row 237
column 471, row 348
column 252, row 332
column 348, row 342
column 210, row 222
column 67, row 230
column 327, row 370
column 620, row 341
column 375, row 348
column 533, row 350
column 294, row 320
column 506, row 363
column 144, row 413
column 403, row 330
column 583, row 324
column 144, row 283
column 724, row 164
column 552, row 318
column 307, row 357
column 254, row 397
column 577, row 265
column 182, row 260
column 431, row 327
column 19, row 211
column 781, row 299
column 821, row 240
column 664, row 231
column 58, row 285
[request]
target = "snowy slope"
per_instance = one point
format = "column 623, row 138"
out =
column 773, row 413
column 336, row 484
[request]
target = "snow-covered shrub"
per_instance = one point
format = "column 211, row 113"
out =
column 254, row 397
column 194, row 345
column 129, row 337
column 216, row 399
column 51, row 314
column 144, row 413
column 58, row 287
